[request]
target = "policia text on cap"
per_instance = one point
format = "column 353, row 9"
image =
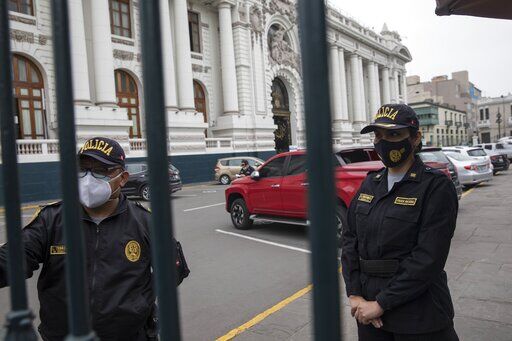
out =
column 397, row 238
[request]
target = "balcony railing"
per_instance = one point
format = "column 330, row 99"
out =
column 484, row 124
column 219, row 143
column 138, row 144
column 458, row 124
column 448, row 122
column 37, row 147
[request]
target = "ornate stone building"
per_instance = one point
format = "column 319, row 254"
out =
column 232, row 77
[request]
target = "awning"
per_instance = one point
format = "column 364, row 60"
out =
column 500, row 9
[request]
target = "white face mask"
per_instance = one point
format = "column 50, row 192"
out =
column 94, row 192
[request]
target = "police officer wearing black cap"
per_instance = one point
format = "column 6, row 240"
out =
column 118, row 253
column 397, row 238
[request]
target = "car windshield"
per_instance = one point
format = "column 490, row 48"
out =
column 476, row 152
column 433, row 156
column 459, row 157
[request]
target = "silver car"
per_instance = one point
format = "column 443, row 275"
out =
column 471, row 171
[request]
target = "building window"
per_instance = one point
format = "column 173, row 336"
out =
column 120, row 21
column 486, row 113
column 481, row 114
column 193, row 28
column 22, row 6
column 200, row 102
column 28, row 94
column 128, row 97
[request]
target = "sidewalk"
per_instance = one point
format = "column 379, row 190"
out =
column 479, row 269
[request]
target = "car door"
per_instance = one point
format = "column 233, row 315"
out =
column 294, row 187
column 264, row 194
column 234, row 167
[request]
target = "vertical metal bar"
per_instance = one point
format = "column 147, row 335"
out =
column 19, row 319
column 78, row 307
column 163, row 251
column 320, row 170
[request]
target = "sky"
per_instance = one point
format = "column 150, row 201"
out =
column 442, row 45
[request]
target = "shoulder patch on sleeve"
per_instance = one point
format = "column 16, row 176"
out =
column 138, row 204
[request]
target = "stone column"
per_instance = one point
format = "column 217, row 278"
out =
column 168, row 57
column 334, row 71
column 395, row 95
column 377, row 84
column 343, row 85
column 386, row 91
column 183, row 58
column 227, row 52
column 103, row 60
column 81, row 90
column 356, row 87
column 362, row 96
column 404, row 87
column 372, row 87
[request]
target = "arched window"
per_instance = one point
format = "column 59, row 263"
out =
column 279, row 97
column 128, row 97
column 200, row 102
column 28, row 93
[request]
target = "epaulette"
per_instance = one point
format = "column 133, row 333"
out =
column 377, row 171
column 138, row 204
column 42, row 207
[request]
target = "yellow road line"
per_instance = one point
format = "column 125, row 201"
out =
column 468, row 191
column 260, row 317
column 23, row 208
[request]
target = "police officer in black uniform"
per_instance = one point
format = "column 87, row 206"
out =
column 397, row 239
column 246, row 170
column 118, row 253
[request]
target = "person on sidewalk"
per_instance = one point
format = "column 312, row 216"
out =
column 118, row 253
column 397, row 238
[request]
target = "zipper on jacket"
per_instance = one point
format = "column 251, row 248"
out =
column 94, row 264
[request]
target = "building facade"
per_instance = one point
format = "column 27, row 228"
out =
column 440, row 125
column 232, row 74
column 458, row 92
column 494, row 118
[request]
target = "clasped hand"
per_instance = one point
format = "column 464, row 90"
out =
column 366, row 312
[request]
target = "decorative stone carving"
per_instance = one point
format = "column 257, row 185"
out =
column 22, row 20
column 123, row 55
column 281, row 51
column 43, row 39
column 22, row 36
column 286, row 8
column 256, row 19
column 197, row 68
column 122, row 41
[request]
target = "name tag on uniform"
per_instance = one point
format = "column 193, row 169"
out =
column 405, row 201
column 58, row 250
column 365, row 197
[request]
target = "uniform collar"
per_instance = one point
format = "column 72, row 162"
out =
column 121, row 207
column 414, row 173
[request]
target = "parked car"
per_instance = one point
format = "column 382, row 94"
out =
column 277, row 192
column 435, row 158
column 499, row 161
column 506, row 139
column 226, row 169
column 138, row 181
column 475, row 152
column 357, row 154
column 500, row 147
column 471, row 171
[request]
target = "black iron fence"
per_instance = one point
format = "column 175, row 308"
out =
column 321, row 194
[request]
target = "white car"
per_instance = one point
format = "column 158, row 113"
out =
column 476, row 153
column 500, row 147
column 471, row 172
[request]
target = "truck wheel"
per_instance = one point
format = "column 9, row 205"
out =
column 341, row 220
column 240, row 215
column 225, row 180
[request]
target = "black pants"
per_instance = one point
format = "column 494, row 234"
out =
column 370, row 333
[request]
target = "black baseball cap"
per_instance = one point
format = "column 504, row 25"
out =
column 393, row 116
column 104, row 150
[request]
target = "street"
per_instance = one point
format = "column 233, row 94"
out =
column 237, row 275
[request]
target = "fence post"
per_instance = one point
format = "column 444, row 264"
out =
column 163, row 252
column 19, row 319
column 326, row 304
column 78, row 307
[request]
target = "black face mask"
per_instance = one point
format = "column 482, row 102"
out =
column 393, row 154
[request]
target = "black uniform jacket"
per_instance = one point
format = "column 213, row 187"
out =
column 118, row 264
column 414, row 224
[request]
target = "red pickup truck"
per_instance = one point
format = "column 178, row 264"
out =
column 277, row 191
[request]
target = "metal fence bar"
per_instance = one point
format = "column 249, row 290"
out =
column 320, row 170
column 19, row 319
column 78, row 308
column 163, row 252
